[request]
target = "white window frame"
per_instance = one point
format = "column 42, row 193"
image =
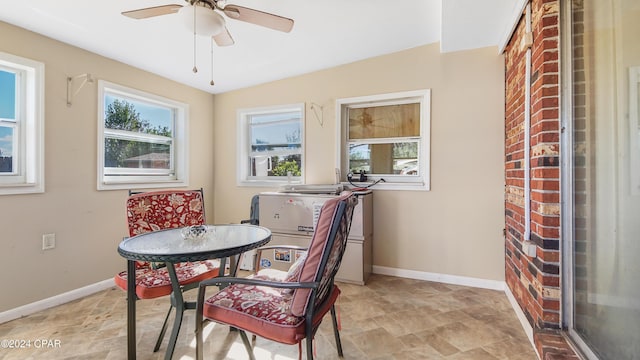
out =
column 396, row 182
column 144, row 179
column 634, row 129
column 29, row 126
column 244, row 146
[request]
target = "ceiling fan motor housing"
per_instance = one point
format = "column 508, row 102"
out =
column 207, row 22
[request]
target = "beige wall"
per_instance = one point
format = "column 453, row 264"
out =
column 88, row 223
column 454, row 229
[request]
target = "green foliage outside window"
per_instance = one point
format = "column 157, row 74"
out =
column 284, row 167
column 122, row 115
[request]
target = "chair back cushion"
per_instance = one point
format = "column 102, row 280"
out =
column 158, row 210
column 325, row 250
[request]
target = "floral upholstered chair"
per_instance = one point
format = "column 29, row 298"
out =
column 285, row 307
column 158, row 210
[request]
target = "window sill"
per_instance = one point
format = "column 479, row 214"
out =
column 390, row 186
column 17, row 189
column 141, row 185
column 266, row 183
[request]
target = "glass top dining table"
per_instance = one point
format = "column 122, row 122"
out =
column 178, row 245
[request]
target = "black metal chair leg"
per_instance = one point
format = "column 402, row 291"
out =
column 309, row 347
column 163, row 330
column 247, row 344
column 174, row 333
column 200, row 323
column 131, row 310
column 336, row 333
column 178, row 302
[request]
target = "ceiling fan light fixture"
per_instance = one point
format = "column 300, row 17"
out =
column 208, row 22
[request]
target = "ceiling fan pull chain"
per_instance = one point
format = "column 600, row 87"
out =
column 195, row 69
column 211, row 62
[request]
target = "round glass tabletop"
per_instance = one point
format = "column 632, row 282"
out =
column 194, row 243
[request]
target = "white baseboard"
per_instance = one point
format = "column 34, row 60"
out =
column 55, row 300
column 443, row 278
column 522, row 317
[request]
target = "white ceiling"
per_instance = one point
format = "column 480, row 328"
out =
column 326, row 33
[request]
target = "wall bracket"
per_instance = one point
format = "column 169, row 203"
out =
column 86, row 78
column 320, row 118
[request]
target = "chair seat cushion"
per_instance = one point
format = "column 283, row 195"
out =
column 264, row 310
column 153, row 283
column 272, row 274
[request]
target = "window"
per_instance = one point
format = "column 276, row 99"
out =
column 386, row 138
column 141, row 139
column 21, row 125
column 271, row 141
column 600, row 199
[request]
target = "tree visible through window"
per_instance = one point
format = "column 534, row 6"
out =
column 122, row 115
column 142, row 139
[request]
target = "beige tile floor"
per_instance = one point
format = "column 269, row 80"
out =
column 389, row 318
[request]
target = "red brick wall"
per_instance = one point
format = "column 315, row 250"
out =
column 534, row 281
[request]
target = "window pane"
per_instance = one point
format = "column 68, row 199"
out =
column 136, row 154
column 605, row 202
column 384, row 121
column 270, row 118
column 389, row 158
column 6, row 149
column 276, row 165
column 276, row 136
column 359, row 158
column 7, row 95
column 132, row 115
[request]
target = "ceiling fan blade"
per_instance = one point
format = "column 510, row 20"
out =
column 152, row 11
column 258, row 17
column 223, row 38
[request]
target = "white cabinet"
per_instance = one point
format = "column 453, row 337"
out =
column 290, row 217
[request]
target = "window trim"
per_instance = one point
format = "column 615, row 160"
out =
column 423, row 97
column 30, row 178
column 242, row 170
column 634, row 129
column 180, row 152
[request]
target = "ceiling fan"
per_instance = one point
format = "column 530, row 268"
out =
column 212, row 23
column 236, row 12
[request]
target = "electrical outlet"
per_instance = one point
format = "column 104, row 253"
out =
column 48, row 241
